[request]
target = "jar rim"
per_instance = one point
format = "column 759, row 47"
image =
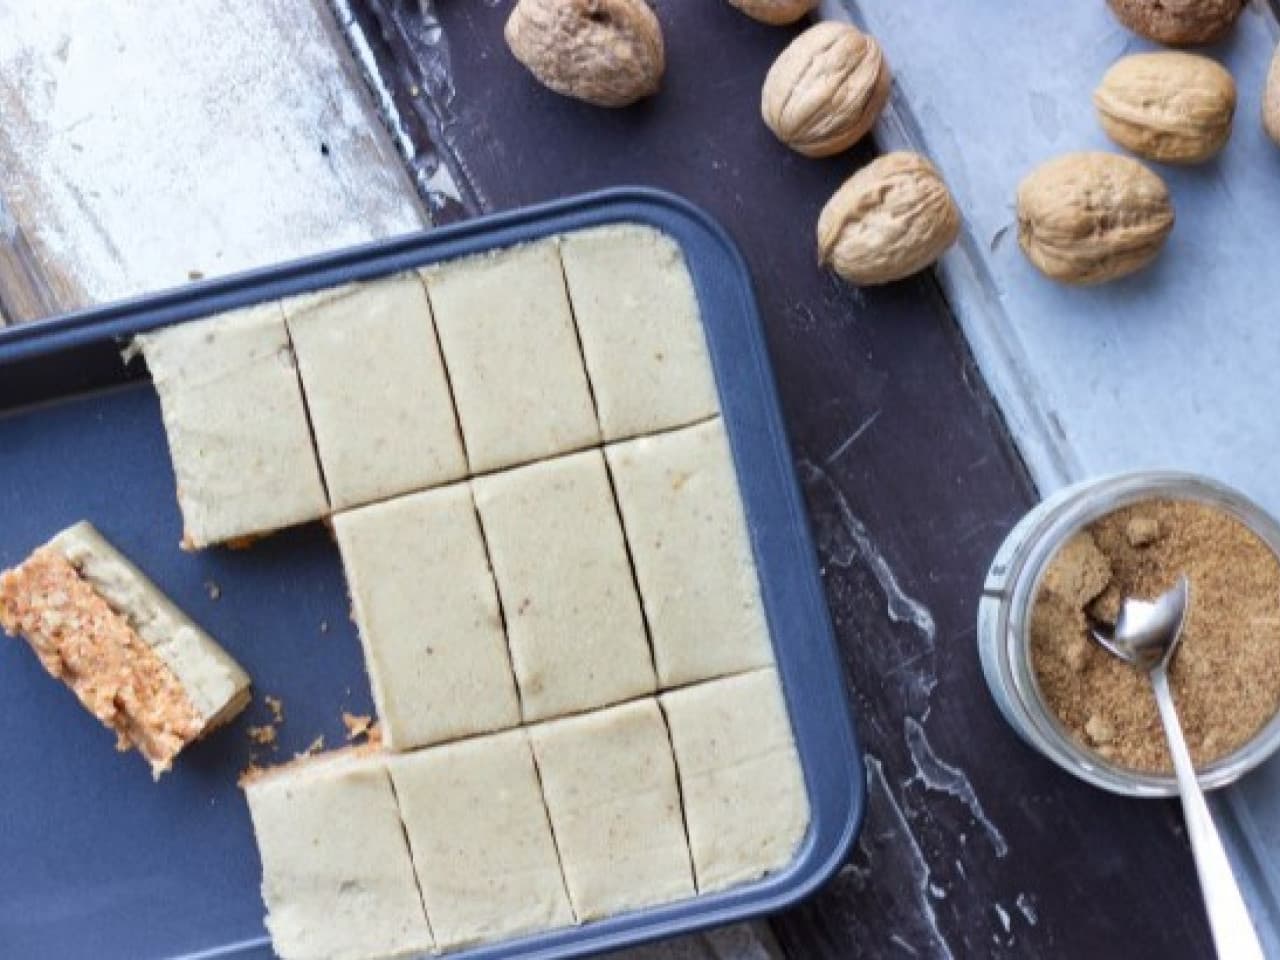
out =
column 1080, row 506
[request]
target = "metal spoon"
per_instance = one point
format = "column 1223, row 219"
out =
column 1146, row 635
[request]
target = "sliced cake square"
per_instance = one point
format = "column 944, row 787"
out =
column 428, row 615
column 376, row 390
column 237, row 425
column 641, row 330
column 684, row 519
column 573, row 619
column 610, row 786
column 745, row 802
column 337, row 877
column 512, row 355
column 481, row 842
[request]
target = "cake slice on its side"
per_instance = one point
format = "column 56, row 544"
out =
column 135, row 661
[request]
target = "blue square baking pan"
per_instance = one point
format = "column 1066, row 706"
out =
column 100, row 862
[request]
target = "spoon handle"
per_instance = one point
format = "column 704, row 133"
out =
column 1233, row 933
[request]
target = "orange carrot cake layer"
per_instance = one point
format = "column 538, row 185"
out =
column 134, row 661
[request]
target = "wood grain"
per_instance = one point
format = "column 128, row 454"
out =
column 150, row 143
column 27, row 287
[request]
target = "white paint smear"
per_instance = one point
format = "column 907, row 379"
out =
column 1027, row 907
column 902, row 608
column 937, row 775
column 937, row 945
column 1005, row 920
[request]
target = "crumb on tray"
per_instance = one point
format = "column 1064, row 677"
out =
column 263, row 736
column 276, row 706
column 357, row 724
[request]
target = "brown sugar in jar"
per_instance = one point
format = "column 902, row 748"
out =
column 1226, row 672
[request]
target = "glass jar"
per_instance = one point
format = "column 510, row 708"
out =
column 1004, row 614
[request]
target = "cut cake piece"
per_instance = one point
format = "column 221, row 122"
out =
column 512, row 354
column 480, row 838
column 337, row 878
column 376, row 389
column 745, row 802
column 133, row 659
column 428, row 615
column 573, row 618
column 684, row 518
column 237, row 425
column 610, row 786
column 641, row 330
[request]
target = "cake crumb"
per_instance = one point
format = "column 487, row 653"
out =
column 214, row 591
column 357, row 724
column 315, row 747
column 263, row 736
column 324, row 626
column 276, row 706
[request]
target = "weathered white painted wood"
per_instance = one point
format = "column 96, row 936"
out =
column 146, row 143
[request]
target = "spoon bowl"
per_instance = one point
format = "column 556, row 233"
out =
column 1147, row 633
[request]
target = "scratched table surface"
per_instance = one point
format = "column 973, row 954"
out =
column 384, row 114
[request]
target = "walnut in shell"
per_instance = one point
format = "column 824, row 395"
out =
column 1171, row 107
column 892, row 218
column 606, row 52
column 1178, row 22
column 776, row 12
column 1271, row 99
column 1086, row 218
column 826, row 89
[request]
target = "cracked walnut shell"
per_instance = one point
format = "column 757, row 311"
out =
column 606, row 52
column 1086, row 218
column 776, row 12
column 1178, row 22
column 826, row 89
column 1171, row 107
column 1271, row 99
column 892, row 218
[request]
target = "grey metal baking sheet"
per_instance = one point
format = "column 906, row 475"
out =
column 95, row 859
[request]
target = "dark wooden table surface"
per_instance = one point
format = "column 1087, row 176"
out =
column 973, row 845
